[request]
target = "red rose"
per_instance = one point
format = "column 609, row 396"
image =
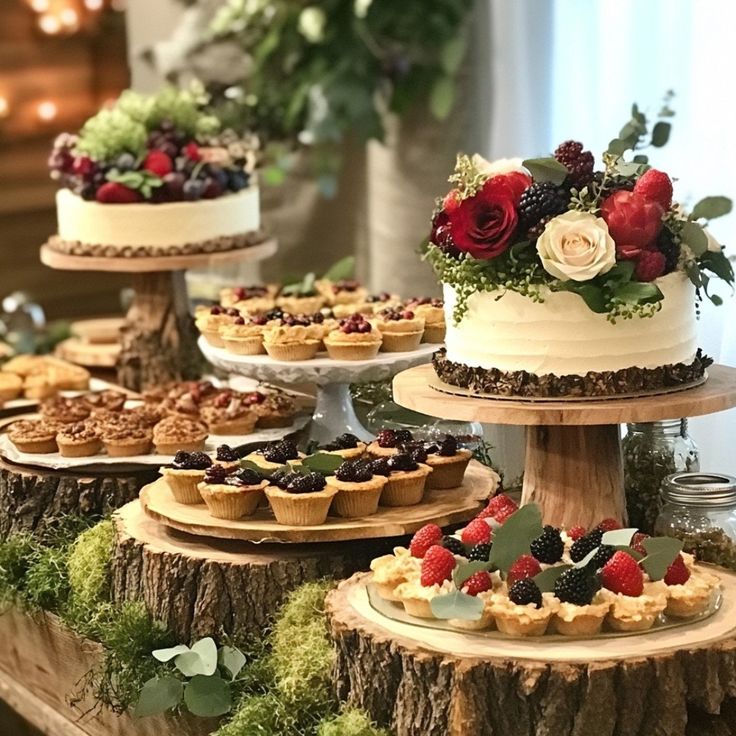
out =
column 633, row 221
column 484, row 224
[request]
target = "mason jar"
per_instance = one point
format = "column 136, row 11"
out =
column 651, row 452
column 700, row 509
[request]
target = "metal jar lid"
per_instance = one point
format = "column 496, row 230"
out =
column 700, row 489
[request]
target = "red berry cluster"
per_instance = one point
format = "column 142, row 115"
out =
column 355, row 323
column 394, row 315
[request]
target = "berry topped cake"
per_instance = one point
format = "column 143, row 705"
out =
column 155, row 175
column 564, row 279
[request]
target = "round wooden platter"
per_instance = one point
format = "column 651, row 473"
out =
column 65, row 262
column 202, row 586
column 666, row 682
column 417, row 389
column 88, row 354
column 446, row 507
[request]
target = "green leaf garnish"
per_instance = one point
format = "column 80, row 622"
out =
column 661, row 553
column 661, row 133
column 323, row 462
column 457, row 605
column 694, row 237
column 512, row 540
column 711, row 207
column 546, row 579
column 343, row 269
column 463, row 571
column 207, row 696
column 546, row 169
column 619, row 536
column 158, row 695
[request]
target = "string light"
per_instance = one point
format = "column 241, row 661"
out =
column 4, row 107
column 93, row 5
column 49, row 24
column 40, row 6
column 47, row 111
column 69, row 18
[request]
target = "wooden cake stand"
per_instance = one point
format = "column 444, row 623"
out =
column 159, row 342
column 673, row 682
column 574, row 467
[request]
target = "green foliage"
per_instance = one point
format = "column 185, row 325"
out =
column 109, row 133
column 16, row 554
column 331, row 67
column 89, row 564
column 350, row 722
column 46, row 583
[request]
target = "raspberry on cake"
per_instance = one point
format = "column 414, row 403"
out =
column 562, row 278
column 134, row 181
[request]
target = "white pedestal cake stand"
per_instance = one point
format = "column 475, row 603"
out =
column 334, row 412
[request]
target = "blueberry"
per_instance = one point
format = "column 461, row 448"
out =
column 125, row 162
column 193, row 189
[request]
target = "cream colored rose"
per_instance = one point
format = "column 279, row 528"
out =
column 497, row 167
column 577, row 246
column 713, row 245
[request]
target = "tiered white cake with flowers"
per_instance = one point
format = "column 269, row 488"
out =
column 563, row 280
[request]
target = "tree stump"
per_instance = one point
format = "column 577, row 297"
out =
column 158, row 339
column 200, row 586
column 418, row 680
column 34, row 499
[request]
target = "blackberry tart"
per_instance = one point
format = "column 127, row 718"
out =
column 407, row 480
column 230, row 493
column 347, row 446
column 448, row 462
column 304, row 501
column 359, row 490
column 185, row 474
column 388, row 441
column 275, row 455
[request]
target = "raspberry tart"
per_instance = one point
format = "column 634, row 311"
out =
column 155, row 176
column 250, row 299
column 432, row 311
column 301, row 500
column 359, row 490
column 354, row 339
column 292, row 338
column 244, row 335
column 185, row 474
column 232, row 493
column 401, row 329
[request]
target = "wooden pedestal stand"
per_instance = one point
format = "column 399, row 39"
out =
column 574, row 468
column 34, row 499
column 159, row 342
column 677, row 682
column 202, row 586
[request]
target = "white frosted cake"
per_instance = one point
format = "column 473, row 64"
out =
column 563, row 281
column 155, row 176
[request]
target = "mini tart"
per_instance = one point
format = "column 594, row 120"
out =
column 349, row 453
column 352, row 346
column 636, row 613
column 257, row 458
column 417, row 598
column 33, row 436
column 183, row 483
column 572, row 620
column 486, row 620
column 126, row 440
column 109, row 399
column 517, row 620
column 434, row 321
column 64, row 411
column 389, row 571
column 244, row 339
column 231, row 502
column 173, row 434
column 375, row 450
column 210, row 325
column 79, row 440
column 275, row 411
column 341, row 311
column 692, row 597
column 11, row 386
column 255, row 304
column 300, row 509
column 292, row 342
column 356, row 499
column 448, row 470
column 405, row 487
column 374, row 304
column 231, row 420
column 301, row 304
column 232, row 295
column 335, row 294
column 399, row 335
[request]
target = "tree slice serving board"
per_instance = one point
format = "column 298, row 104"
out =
column 664, row 682
column 446, row 507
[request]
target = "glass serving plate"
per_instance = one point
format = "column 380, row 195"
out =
column 395, row 611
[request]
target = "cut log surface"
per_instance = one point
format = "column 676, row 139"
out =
column 422, row 681
column 202, row 587
column 32, row 500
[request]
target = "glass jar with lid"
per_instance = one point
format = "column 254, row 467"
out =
column 700, row 509
column 651, row 452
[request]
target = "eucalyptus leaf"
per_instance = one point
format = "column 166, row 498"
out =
column 619, row 536
column 442, row 98
column 158, row 695
column 546, row 169
column 323, row 462
column 711, row 207
column 640, row 158
column 546, row 579
column 718, row 263
column 661, row 133
column 453, row 53
column 591, row 294
column 638, row 115
column 617, row 147
column 164, row 655
column 343, row 269
column 265, row 472
column 629, row 168
column 457, row 605
column 584, row 562
column 232, row 659
column 201, row 659
column 207, row 696
column 694, row 237
column 639, row 292
column 463, row 571
column 661, row 553
column 512, row 539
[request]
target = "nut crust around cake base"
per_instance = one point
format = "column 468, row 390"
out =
column 215, row 245
column 494, row 382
